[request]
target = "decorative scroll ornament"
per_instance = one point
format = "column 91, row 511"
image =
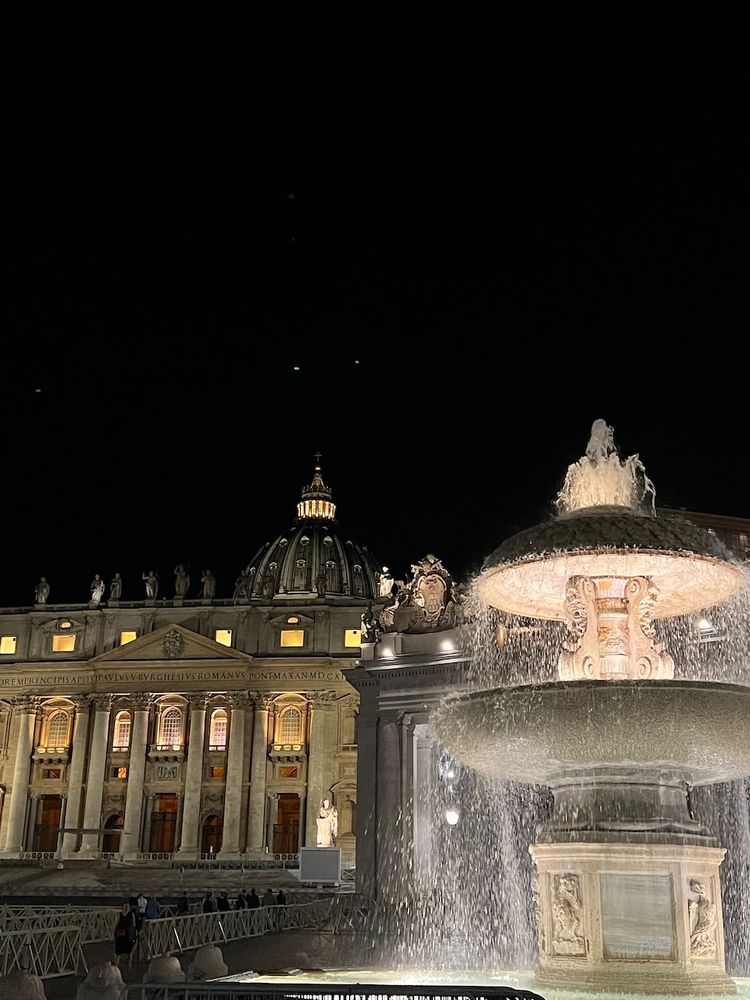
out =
column 567, row 916
column 174, row 642
column 429, row 602
column 703, row 920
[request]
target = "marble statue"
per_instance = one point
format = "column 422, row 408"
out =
column 152, row 584
column 240, row 587
column 385, row 583
column 181, row 580
column 567, row 916
column 41, row 591
column 602, row 441
column 115, row 588
column 209, row 585
column 97, row 589
column 327, row 822
column 370, row 625
column 703, row 918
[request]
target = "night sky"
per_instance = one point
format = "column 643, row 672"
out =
column 462, row 294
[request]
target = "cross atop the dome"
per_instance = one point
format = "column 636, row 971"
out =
column 317, row 457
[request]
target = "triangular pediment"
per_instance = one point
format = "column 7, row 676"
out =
column 172, row 643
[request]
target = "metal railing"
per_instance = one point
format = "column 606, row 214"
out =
column 95, row 923
column 169, row 934
column 320, row 991
column 44, row 951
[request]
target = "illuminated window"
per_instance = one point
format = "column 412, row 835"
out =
column 120, row 773
column 126, row 637
column 7, row 644
column 218, row 735
column 224, row 636
column 63, row 643
column 65, row 624
column 292, row 637
column 122, row 731
column 171, row 728
column 353, row 637
column 57, row 729
column 217, row 772
column 293, row 620
column 290, row 730
column 288, row 772
column 52, row 772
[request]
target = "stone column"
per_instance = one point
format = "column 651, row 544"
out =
column 92, row 810
column 230, row 841
column 32, row 818
column 273, row 807
column 191, row 808
column 301, row 829
column 144, row 838
column 258, row 764
column 14, row 837
column 178, row 823
column 75, row 775
column 131, row 827
column 388, row 792
column 319, row 748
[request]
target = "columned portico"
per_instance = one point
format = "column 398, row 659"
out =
column 26, row 709
column 256, row 807
column 129, row 839
column 230, row 846
column 189, row 847
column 95, row 779
column 75, row 780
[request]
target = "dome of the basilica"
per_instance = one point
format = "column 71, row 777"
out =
column 312, row 559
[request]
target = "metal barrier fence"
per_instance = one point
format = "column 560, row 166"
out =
column 96, row 923
column 45, row 951
column 321, row 991
column 169, row 934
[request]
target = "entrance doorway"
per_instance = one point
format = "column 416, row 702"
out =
column 213, row 827
column 286, row 827
column 113, row 829
column 48, row 823
column 163, row 824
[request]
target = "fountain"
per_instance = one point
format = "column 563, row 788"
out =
column 629, row 886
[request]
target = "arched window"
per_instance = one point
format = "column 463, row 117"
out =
column 57, row 729
column 171, row 728
column 290, row 730
column 121, row 739
column 218, row 734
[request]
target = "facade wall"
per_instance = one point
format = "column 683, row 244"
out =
column 287, row 711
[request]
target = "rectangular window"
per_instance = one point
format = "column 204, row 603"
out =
column 127, row 636
column 120, row 773
column 288, row 772
column 353, row 638
column 217, row 772
column 292, row 637
column 52, row 772
column 7, row 644
column 63, row 643
column 224, row 636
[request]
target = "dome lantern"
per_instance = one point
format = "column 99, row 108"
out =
column 316, row 502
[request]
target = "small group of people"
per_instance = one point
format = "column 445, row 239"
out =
column 244, row 901
column 130, row 922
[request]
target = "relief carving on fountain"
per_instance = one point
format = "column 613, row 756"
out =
column 567, row 916
column 703, row 920
column 610, row 631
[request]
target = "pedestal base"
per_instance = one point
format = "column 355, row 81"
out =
column 320, row 864
column 631, row 918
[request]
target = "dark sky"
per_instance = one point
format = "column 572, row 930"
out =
column 463, row 295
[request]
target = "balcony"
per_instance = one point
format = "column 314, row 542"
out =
column 52, row 755
column 161, row 752
column 288, row 752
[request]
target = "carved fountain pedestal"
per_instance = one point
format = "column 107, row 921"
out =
column 631, row 917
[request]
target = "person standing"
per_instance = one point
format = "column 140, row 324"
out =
column 183, row 905
column 125, row 934
column 222, row 903
column 253, row 900
column 152, row 908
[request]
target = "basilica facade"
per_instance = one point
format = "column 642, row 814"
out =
column 188, row 728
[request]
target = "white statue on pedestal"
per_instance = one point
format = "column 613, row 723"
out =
column 328, row 824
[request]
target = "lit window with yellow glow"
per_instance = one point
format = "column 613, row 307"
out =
column 63, row 643
column 127, row 636
column 7, row 643
column 293, row 637
column 223, row 636
column 292, row 620
column 353, row 637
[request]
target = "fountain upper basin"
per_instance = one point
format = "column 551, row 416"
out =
column 535, row 734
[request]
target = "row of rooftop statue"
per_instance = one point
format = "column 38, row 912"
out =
column 430, row 601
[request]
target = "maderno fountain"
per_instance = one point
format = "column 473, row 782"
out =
column 629, row 884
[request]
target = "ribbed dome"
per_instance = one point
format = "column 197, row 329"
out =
column 312, row 559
